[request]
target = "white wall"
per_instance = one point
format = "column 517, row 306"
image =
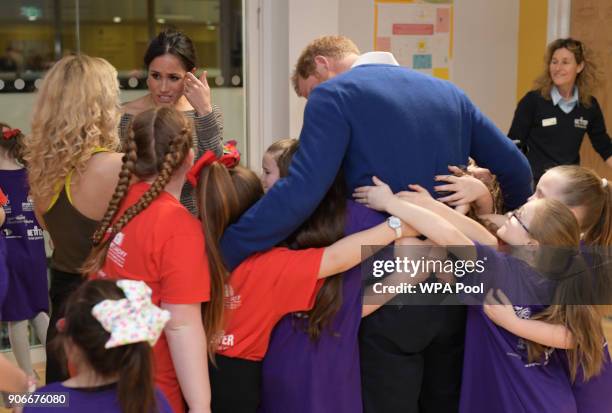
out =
column 266, row 71
column 307, row 20
column 486, row 55
column 276, row 31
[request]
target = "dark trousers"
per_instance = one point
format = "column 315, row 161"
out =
column 235, row 385
column 62, row 285
column 411, row 359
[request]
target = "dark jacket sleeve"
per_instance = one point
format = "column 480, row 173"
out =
column 597, row 132
column 523, row 120
column 491, row 149
column 323, row 142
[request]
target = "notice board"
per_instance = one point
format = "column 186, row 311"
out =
column 419, row 33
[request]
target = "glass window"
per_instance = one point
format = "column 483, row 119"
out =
column 36, row 33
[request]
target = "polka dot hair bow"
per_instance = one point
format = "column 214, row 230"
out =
column 132, row 319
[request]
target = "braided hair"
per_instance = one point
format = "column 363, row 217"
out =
column 158, row 142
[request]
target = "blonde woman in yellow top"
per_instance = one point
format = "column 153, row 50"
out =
column 73, row 168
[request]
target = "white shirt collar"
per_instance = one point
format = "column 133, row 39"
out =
column 379, row 58
column 556, row 97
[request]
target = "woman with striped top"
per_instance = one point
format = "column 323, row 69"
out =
column 171, row 62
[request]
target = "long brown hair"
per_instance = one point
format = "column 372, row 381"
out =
column 554, row 225
column 324, row 227
column 132, row 362
column 223, row 195
column 582, row 187
column 158, row 142
column 586, row 81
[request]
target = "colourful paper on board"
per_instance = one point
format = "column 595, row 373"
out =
column 441, row 73
column 413, row 29
column 443, row 20
column 421, row 61
column 383, row 44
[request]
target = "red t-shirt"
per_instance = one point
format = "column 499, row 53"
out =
column 262, row 290
column 164, row 247
column 3, row 198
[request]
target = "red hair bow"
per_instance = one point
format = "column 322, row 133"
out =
column 230, row 158
column 10, row 133
column 60, row 325
column 3, row 198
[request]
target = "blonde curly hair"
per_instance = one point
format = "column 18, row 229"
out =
column 77, row 110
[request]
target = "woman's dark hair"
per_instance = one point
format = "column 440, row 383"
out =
column 14, row 145
column 175, row 43
column 132, row 362
column 324, row 227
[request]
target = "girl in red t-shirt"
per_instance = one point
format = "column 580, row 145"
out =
column 147, row 235
column 264, row 288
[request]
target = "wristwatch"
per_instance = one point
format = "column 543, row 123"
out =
column 396, row 224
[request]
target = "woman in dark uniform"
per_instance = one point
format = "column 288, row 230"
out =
column 550, row 121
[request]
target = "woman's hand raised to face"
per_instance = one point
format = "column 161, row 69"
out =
column 197, row 93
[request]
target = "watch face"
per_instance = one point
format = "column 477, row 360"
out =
column 395, row 222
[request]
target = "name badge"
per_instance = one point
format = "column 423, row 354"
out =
column 581, row 123
column 549, row 122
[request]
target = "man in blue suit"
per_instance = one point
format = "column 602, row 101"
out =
column 370, row 116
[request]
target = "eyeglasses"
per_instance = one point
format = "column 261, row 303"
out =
column 514, row 214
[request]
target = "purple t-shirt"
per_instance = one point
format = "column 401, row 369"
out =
column 304, row 376
column 4, row 278
column 497, row 376
column 101, row 399
column 595, row 394
column 28, row 292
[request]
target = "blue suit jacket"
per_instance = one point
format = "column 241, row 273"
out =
column 383, row 120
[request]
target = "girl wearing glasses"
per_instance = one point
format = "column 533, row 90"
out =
column 550, row 121
column 512, row 362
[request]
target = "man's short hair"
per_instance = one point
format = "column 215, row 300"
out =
column 335, row 47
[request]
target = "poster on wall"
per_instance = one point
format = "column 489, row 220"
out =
column 419, row 33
